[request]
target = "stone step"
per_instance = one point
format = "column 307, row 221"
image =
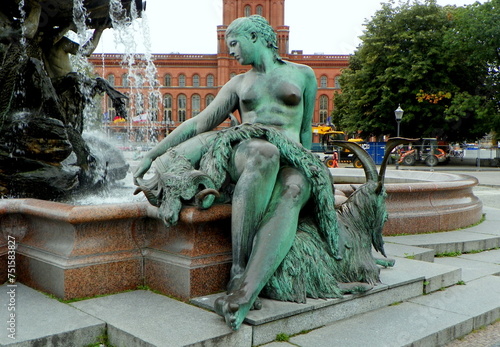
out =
column 475, row 265
column 408, row 279
column 436, row 276
column 144, row 319
column 42, row 321
column 410, row 252
column 484, row 236
column 430, row 320
column 395, row 312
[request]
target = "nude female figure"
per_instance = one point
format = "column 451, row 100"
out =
column 268, row 197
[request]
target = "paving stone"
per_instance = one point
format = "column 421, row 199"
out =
column 490, row 256
column 142, row 318
column 410, row 252
column 436, row 276
column 492, row 214
column 43, row 321
column 399, row 325
column 478, row 299
column 472, row 268
column 450, row 241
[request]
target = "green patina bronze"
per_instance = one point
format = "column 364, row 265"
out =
column 289, row 242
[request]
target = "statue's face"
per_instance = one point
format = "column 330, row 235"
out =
column 242, row 48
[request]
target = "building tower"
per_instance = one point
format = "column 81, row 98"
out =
column 272, row 10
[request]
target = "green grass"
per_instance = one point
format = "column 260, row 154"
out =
column 396, row 303
column 102, row 341
column 448, row 254
column 282, row 337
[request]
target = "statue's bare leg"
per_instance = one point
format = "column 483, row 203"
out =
column 254, row 165
column 272, row 241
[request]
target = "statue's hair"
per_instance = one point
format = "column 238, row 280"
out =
column 258, row 25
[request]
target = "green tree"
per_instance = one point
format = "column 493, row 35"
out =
column 475, row 38
column 411, row 55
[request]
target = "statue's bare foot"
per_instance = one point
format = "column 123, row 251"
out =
column 354, row 287
column 234, row 283
column 234, row 308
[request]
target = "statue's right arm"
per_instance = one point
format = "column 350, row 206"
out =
column 214, row 114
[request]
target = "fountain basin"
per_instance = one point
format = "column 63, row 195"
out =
column 81, row 251
column 419, row 202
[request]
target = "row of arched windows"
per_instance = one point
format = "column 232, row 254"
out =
column 181, row 103
column 167, row 80
column 181, row 106
column 181, row 81
column 196, row 105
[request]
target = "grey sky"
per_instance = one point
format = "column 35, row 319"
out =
column 189, row 26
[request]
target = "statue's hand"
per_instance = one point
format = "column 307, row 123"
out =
column 143, row 167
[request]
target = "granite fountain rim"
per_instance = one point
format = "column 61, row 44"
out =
column 408, row 180
column 75, row 214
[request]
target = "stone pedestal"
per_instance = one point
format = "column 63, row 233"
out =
column 81, row 251
column 192, row 257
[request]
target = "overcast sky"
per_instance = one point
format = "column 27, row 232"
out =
column 189, row 26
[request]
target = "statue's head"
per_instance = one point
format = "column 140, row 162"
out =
column 257, row 25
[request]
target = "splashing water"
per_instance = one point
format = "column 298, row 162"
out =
column 142, row 72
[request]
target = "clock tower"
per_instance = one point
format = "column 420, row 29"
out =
column 272, row 10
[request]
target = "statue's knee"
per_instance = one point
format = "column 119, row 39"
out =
column 266, row 150
column 293, row 191
column 262, row 154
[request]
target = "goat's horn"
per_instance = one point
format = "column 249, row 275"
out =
column 389, row 146
column 367, row 161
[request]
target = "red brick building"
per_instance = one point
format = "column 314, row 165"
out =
column 185, row 83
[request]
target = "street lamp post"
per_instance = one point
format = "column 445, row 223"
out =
column 399, row 115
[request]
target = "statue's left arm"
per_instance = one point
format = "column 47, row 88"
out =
column 309, row 100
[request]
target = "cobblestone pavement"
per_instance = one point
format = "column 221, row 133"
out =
column 486, row 337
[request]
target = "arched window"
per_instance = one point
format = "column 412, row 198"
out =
column 196, row 81
column 195, row 104
column 337, row 82
column 247, row 11
column 323, row 109
column 182, row 81
column 125, row 80
column 231, row 75
column 167, row 107
column 111, row 79
column 323, row 82
column 208, row 99
column 259, row 10
column 167, row 80
column 210, row 80
column 181, row 108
